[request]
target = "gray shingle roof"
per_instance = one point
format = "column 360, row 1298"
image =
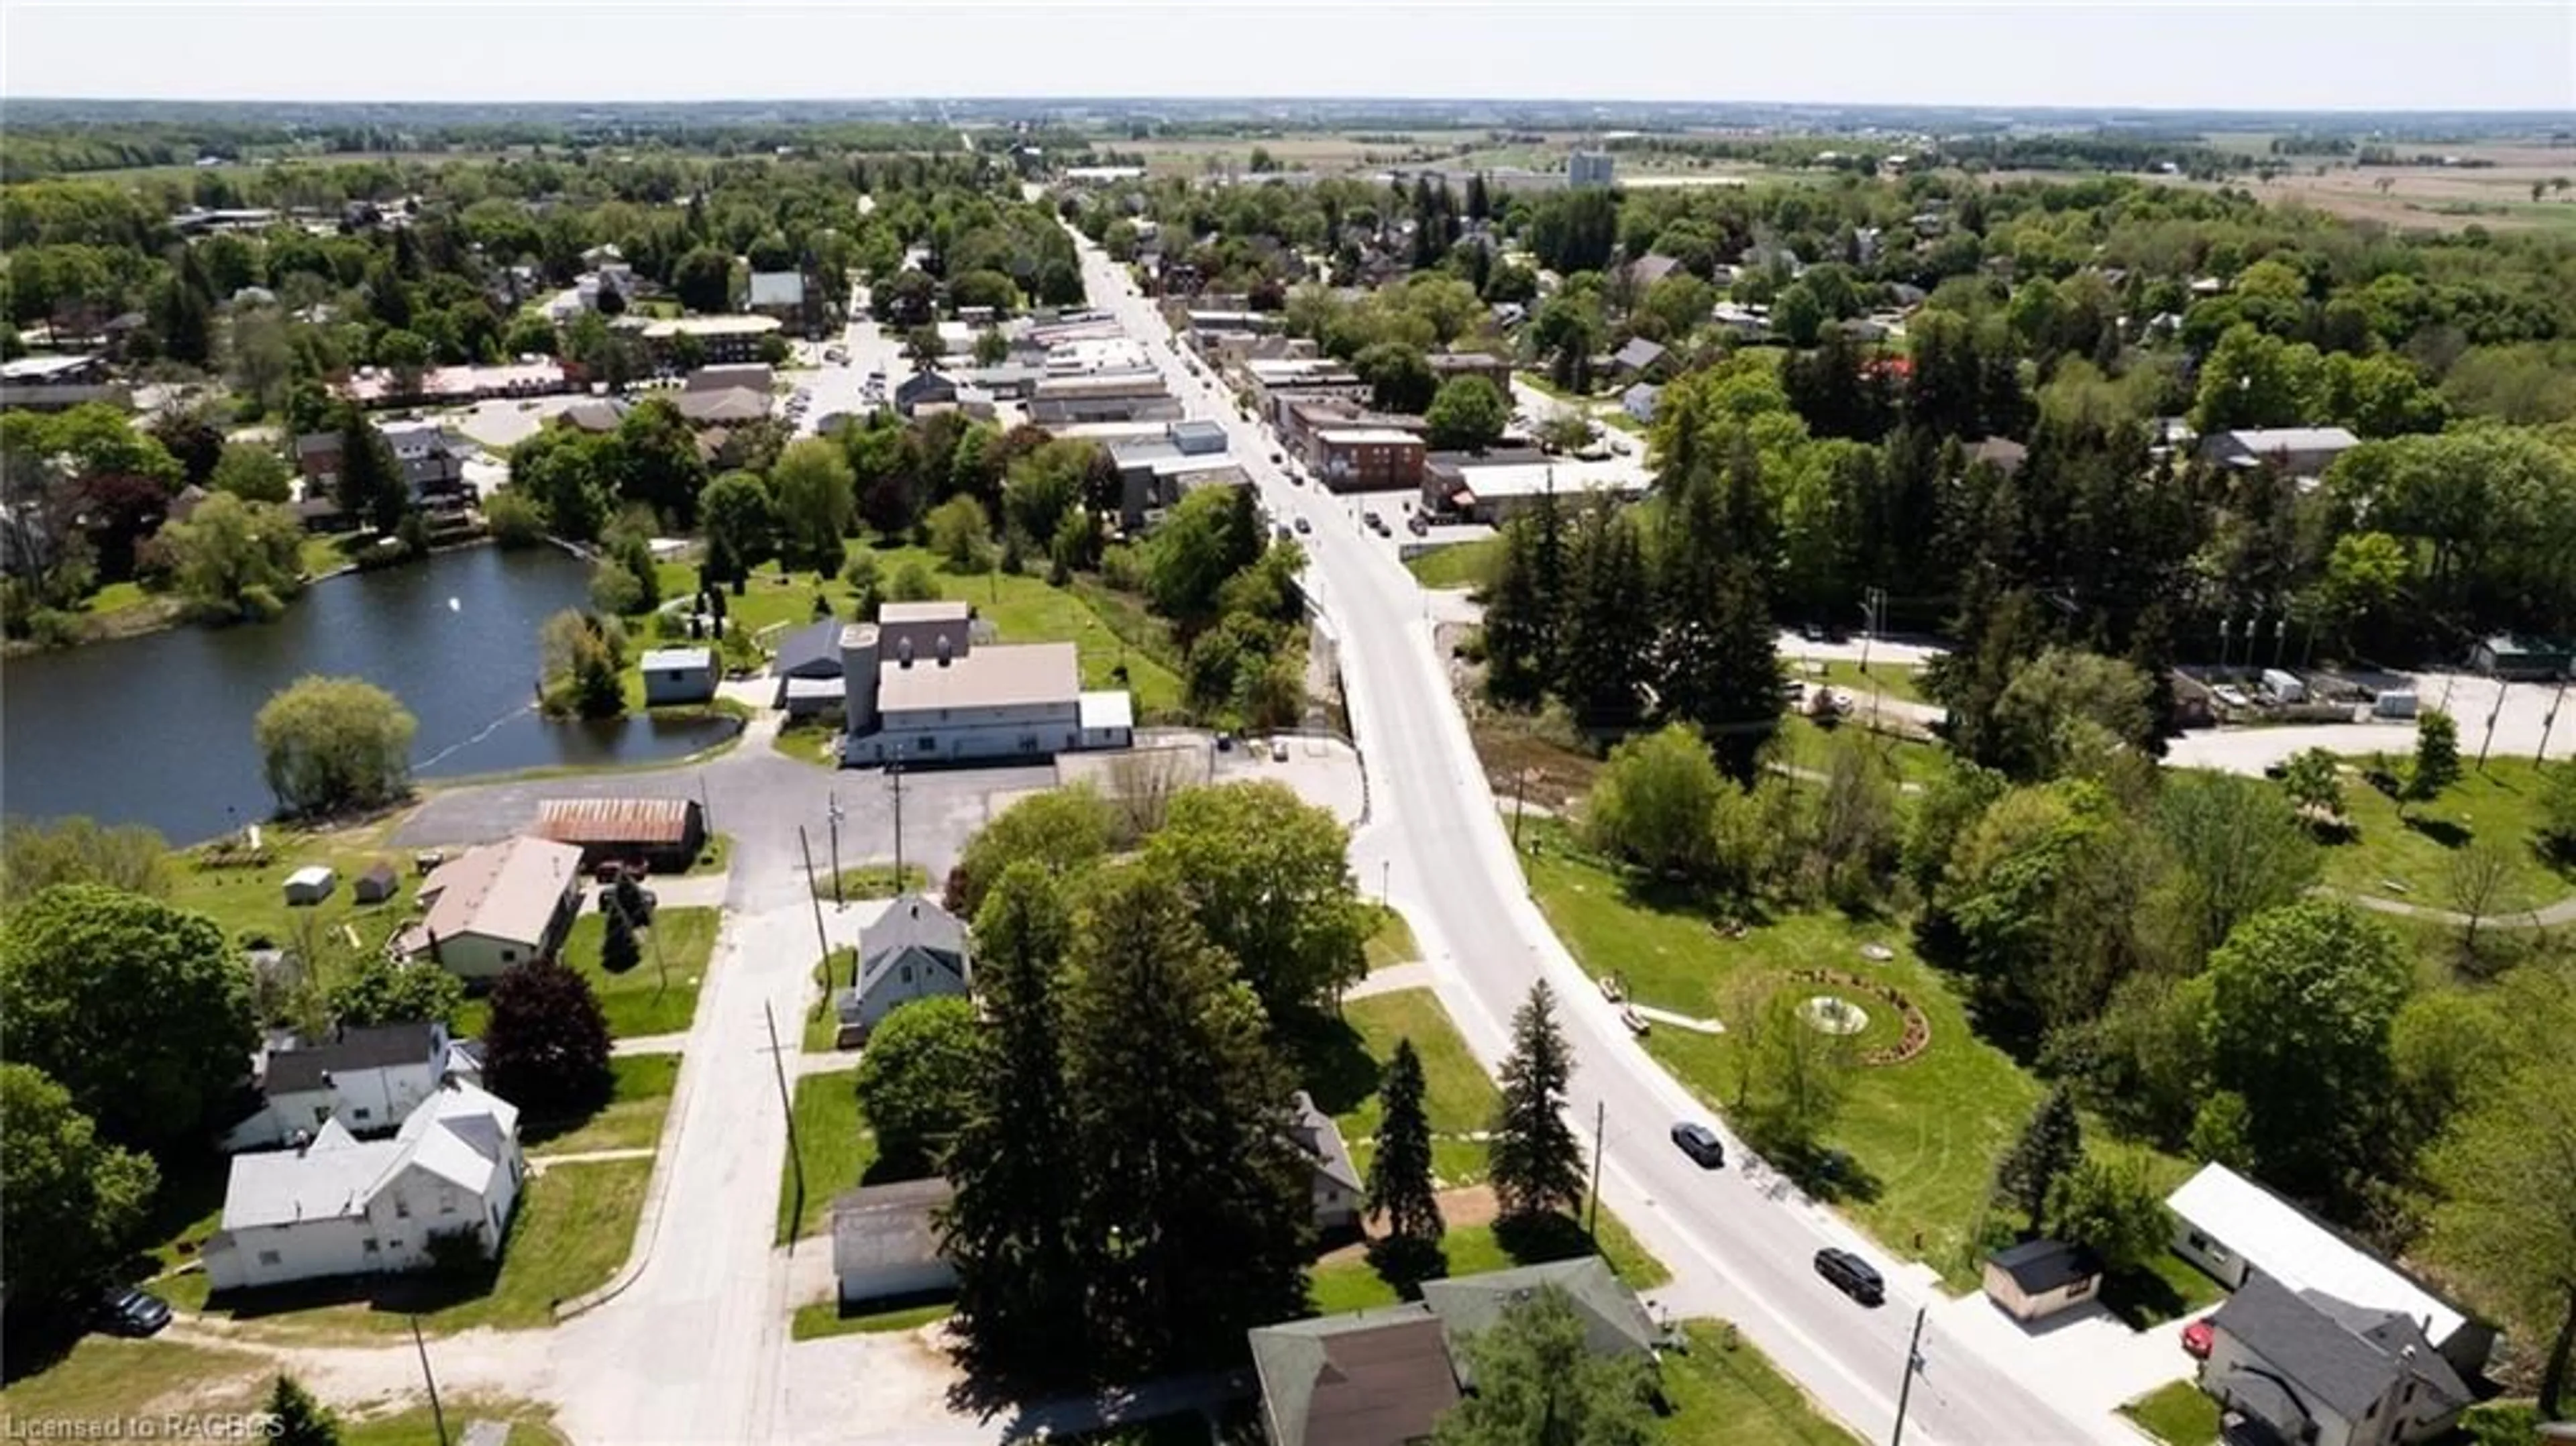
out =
column 802, row 652
column 300, row 1071
column 1639, row 354
column 1371, row 1378
column 1321, row 1139
column 916, row 930
column 2316, row 1355
column 1614, row 1323
column 884, row 1225
column 2040, row 1266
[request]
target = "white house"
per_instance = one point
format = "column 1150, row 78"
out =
column 885, row 1242
column 915, row 950
column 341, row 1206
column 2320, row 1370
column 678, row 675
column 496, row 905
column 366, row 1080
column 916, row 686
column 1336, row 1181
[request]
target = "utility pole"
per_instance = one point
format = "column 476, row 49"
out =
column 834, row 815
column 1913, row 1365
column 2549, row 720
column 821, row 938
column 786, row 1102
column 1385, row 877
column 2502, row 688
column 437, row 1416
column 1873, row 609
column 2280, row 637
column 894, row 775
column 2226, row 626
column 1600, row 1128
column 1520, row 804
column 706, row 806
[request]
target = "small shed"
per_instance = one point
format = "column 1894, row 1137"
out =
column 679, row 675
column 2038, row 1278
column 375, row 883
column 885, row 1242
column 311, row 884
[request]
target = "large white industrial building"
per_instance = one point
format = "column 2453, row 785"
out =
column 917, row 689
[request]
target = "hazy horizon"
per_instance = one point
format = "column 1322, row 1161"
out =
column 2487, row 57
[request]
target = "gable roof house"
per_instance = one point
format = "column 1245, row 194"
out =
column 2038, row 1278
column 341, row 1206
column 2301, row 452
column 365, row 1080
column 2320, row 1370
column 2240, row 1232
column 915, row 950
column 807, row 666
column 1614, row 1322
column 495, row 905
column 778, row 294
column 1337, row 1187
column 1639, row 358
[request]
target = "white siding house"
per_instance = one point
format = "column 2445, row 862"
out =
column 915, row 950
column 496, row 905
column 340, row 1206
column 368, row 1081
column 1336, row 1181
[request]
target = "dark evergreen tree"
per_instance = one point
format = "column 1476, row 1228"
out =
column 1608, row 632
column 1516, row 625
column 2050, row 1145
column 1533, row 1157
column 1399, row 1179
column 1010, row 1229
column 1548, row 570
column 618, row 951
column 371, row 485
column 1196, row 1213
column 545, row 1047
column 296, row 1419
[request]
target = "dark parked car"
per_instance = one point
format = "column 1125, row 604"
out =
column 1851, row 1275
column 1700, row 1143
column 125, row 1311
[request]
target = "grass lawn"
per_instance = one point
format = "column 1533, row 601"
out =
column 1393, row 943
column 2178, row 1413
column 875, row 881
column 1922, row 1137
column 638, row 1002
column 1724, row 1391
column 824, row 1318
column 808, row 741
column 1457, row 1096
column 1460, row 564
column 245, row 894
column 832, row 971
column 530, row 1424
column 101, row 1378
column 631, row 1120
column 2500, row 803
column 835, row 1144
column 715, row 858
column 1883, row 677
column 1354, row 1284
column 574, row 1226
column 1804, row 745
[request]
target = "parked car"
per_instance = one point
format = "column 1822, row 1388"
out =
column 1417, row 526
column 1225, row 742
column 610, row 871
column 1278, row 750
column 1304, row 526
column 125, row 1311
column 1851, row 1275
column 2197, row 1339
column 1613, row 990
column 1635, row 1018
column 1700, row 1143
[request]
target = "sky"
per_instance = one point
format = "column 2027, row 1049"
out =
column 2310, row 55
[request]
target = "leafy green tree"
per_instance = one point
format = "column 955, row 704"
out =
column 919, row 1079
column 991, row 347
column 1606, row 634
column 1195, row 1202
column 1468, row 413
column 1213, row 534
column 654, row 461
column 1043, row 487
column 1269, row 880
column 1797, row 315
column 2436, row 764
column 582, row 661
column 2237, row 850
column 1400, row 1187
column 961, row 533
column 2051, row 1144
column 740, row 526
column 1796, row 1077
column 913, row 583
column 546, row 1046
column 1400, row 378
column 1534, row 1159
column 37, row 855
column 1011, row 1229
column 704, row 281
column 1540, row 1383
column 814, row 495
column 235, row 558
column 76, row 1203
column 2312, row 780
column 328, row 744
column 1653, row 803
column 296, row 1419
column 2039, row 721
column 371, row 485
column 1062, row 831
column 2112, row 1209
column 382, row 991
column 140, row 1010
column 2500, row 1226
column 1519, row 621
column 2303, row 1001
column 252, row 472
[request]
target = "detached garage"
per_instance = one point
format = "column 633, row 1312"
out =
column 2038, row 1278
column 885, row 1242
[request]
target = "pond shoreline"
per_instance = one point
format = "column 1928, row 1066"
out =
column 163, row 612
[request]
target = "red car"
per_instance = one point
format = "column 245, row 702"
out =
column 2195, row 1339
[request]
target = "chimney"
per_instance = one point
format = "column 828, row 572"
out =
column 903, row 651
column 943, row 650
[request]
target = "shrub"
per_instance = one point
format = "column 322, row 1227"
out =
column 514, row 519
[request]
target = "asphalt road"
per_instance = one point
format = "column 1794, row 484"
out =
column 1740, row 1241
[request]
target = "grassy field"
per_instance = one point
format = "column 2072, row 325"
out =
column 832, row 971
column 2177, row 1413
column 102, row 1378
column 530, row 1424
column 638, row 1002
column 875, row 881
column 248, row 899
column 2499, row 804
column 1802, row 744
column 631, row 1120
column 823, row 1318
column 1726, row 1393
column 1393, row 943
column 1922, row 1137
column 574, row 1227
column 1457, row 1096
column 808, row 741
column 1845, row 673
column 1354, row 1284
column 835, row 1144
column 1460, row 564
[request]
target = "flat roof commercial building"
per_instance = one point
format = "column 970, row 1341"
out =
column 1367, row 459
column 917, row 689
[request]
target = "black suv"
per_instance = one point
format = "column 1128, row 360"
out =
column 126, row 1311
column 1851, row 1275
column 1700, row 1143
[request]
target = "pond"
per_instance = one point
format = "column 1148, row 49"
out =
column 157, row 729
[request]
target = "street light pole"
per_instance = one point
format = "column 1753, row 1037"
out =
column 1913, row 1365
column 1600, row 1129
column 2548, row 721
column 437, row 1416
column 834, row 816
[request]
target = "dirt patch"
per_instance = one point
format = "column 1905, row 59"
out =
column 1512, row 749
column 1467, row 1205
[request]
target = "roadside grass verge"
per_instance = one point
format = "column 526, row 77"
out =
column 834, row 1143
column 631, row 1120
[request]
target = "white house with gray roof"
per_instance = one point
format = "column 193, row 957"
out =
column 917, row 688
column 366, row 1080
column 915, row 950
column 1336, row 1181
column 343, row 1206
column 2324, row 1371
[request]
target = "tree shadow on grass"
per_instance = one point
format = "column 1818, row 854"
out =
column 423, row 1293
column 2441, row 831
column 1405, row 1262
column 2141, row 1298
column 1824, row 1174
column 1331, row 1060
